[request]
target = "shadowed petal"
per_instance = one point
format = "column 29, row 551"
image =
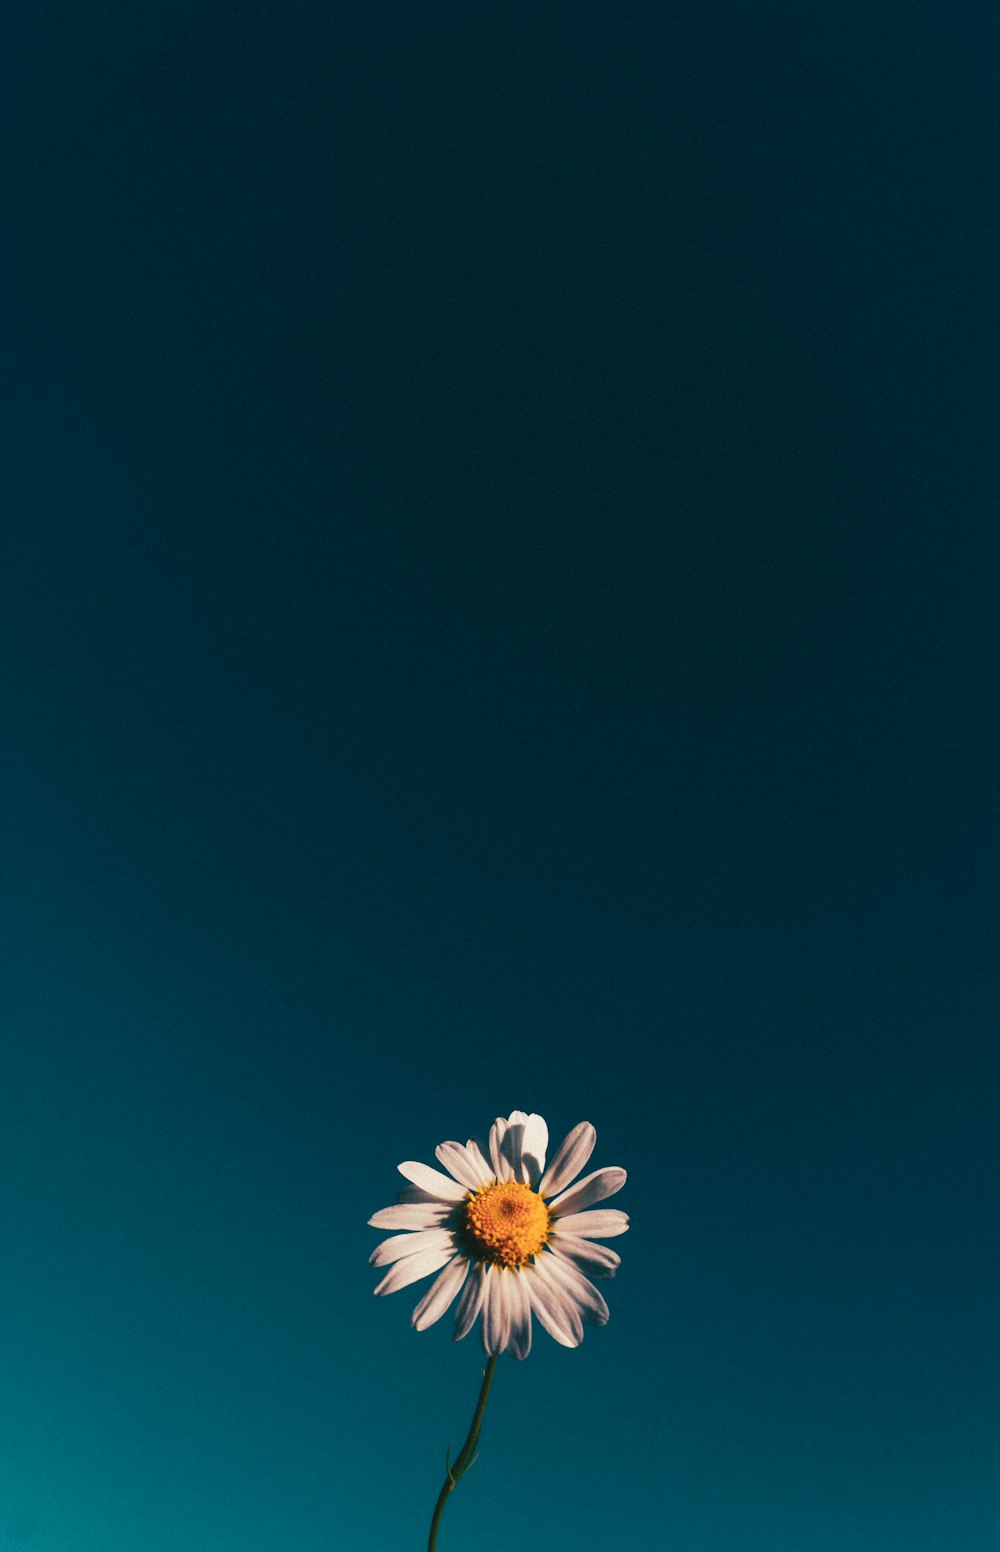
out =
column 595, row 1260
column 589, row 1302
column 440, row 1294
column 411, row 1215
column 570, row 1157
column 496, row 1310
column 416, row 1194
column 412, row 1268
column 479, row 1154
column 457, row 1162
column 592, row 1188
column 500, row 1161
column 533, row 1145
column 512, row 1142
column 409, row 1244
column 470, row 1303
column 554, row 1307
column 429, row 1179
column 520, row 1316
column 603, row 1224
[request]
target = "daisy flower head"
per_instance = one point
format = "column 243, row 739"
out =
column 508, row 1236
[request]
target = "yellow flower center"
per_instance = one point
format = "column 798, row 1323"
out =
column 506, row 1223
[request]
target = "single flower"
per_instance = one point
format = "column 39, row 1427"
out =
column 506, row 1236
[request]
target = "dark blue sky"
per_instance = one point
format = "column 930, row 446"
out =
column 499, row 565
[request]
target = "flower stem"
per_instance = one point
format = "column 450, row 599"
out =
column 466, row 1454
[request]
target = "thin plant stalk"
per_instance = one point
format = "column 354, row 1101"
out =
column 466, row 1455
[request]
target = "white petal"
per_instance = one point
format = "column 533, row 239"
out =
column 520, row 1316
column 432, row 1180
column 554, row 1307
column 440, row 1294
column 533, row 1146
column 470, row 1303
column 478, row 1153
column 415, row 1194
column 411, row 1215
column 589, row 1302
column 512, row 1142
column 603, row 1224
column 571, row 1155
column 412, row 1268
column 592, row 1188
column 409, row 1245
column 595, row 1260
column 457, row 1162
column 501, row 1164
column 496, row 1311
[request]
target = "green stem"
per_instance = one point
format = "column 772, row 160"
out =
column 466, row 1454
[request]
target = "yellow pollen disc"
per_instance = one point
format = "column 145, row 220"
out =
column 506, row 1223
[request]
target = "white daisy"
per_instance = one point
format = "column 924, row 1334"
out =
column 506, row 1233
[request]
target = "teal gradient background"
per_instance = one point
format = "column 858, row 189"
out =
column 498, row 556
